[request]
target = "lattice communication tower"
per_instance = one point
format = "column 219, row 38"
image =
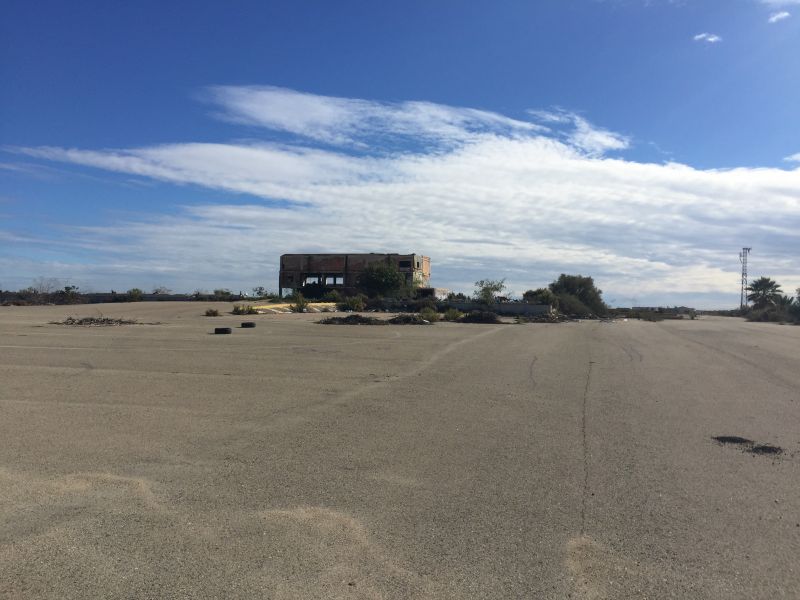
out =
column 743, row 259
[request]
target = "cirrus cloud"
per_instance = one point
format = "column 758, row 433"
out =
column 354, row 121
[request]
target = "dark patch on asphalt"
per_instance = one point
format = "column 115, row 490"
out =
column 731, row 439
column 748, row 445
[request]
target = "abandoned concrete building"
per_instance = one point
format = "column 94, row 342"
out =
column 341, row 271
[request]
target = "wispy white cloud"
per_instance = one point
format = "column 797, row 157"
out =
column 590, row 139
column 779, row 16
column 526, row 203
column 343, row 121
column 793, row 158
column 780, row 2
column 596, row 141
column 711, row 38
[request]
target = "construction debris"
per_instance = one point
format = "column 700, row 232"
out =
column 544, row 318
column 354, row 319
column 408, row 319
column 97, row 322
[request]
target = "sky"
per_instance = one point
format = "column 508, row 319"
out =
column 190, row 144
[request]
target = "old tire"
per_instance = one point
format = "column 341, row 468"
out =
column 248, row 325
column 219, row 330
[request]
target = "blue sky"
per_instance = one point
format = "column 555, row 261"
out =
column 188, row 144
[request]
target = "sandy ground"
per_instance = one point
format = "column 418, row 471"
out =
column 297, row 460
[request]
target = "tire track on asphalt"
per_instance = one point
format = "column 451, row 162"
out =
column 436, row 356
column 341, row 398
column 774, row 378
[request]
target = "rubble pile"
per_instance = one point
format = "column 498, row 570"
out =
column 354, row 319
column 94, row 321
column 408, row 319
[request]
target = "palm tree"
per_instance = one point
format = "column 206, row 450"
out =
column 784, row 302
column 764, row 292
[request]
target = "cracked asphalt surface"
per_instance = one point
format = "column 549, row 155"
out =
column 297, row 460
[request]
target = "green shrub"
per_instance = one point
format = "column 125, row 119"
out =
column 354, row 303
column 429, row 315
column 569, row 288
column 332, row 296
column 261, row 293
column 423, row 303
column 540, row 296
column 794, row 310
column 300, row 303
column 572, row 306
column 380, row 279
column 766, row 315
column 241, row 309
column 212, row 312
column 134, row 295
column 453, row 314
column 487, row 290
column 69, row 295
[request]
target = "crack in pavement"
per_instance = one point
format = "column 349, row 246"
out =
column 531, row 377
column 584, row 445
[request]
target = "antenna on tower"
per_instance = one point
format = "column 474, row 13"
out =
column 743, row 259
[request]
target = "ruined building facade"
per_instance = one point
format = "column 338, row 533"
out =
column 341, row 271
